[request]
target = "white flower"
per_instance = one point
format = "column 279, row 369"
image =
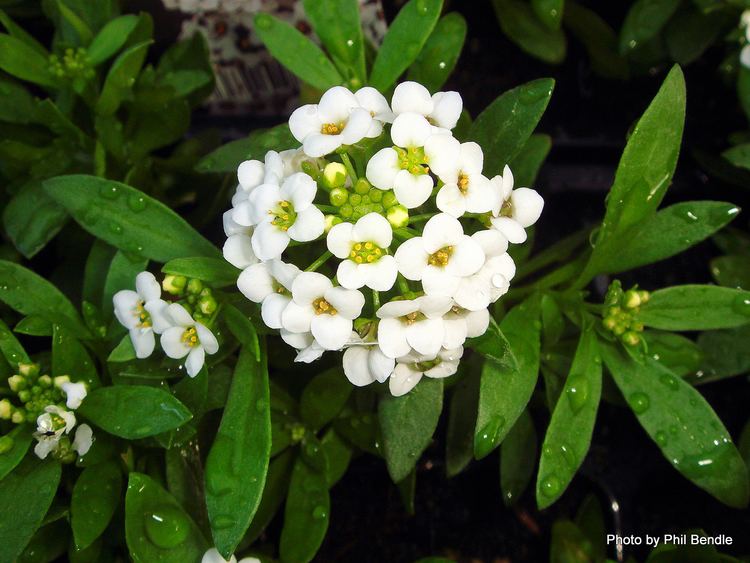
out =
column 50, row 428
column 362, row 247
column 325, row 311
column 308, row 349
column 142, row 312
column 364, row 362
column 213, row 556
column 442, row 109
column 441, row 257
column 253, row 173
column 293, row 159
column 514, row 210
column 412, row 323
column 188, row 338
column 336, row 120
column 83, row 439
column 238, row 249
column 75, row 393
column 465, row 189
column 269, row 283
column 411, row 367
column 281, row 214
column 374, row 102
column 461, row 324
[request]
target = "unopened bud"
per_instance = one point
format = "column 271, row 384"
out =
column 6, row 409
column 389, row 199
column 28, row 370
column 60, row 380
column 16, row 383
column 334, row 175
column 398, row 216
column 631, row 338
column 331, row 220
column 207, row 305
column 17, row 417
column 174, row 285
column 631, row 299
column 644, row 295
column 362, row 186
column 195, row 286
column 24, row 395
column 338, row 196
column 609, row 323
column 6, row 444
column 45, row 381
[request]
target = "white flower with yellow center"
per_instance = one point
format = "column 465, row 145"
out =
column 280, row 214
column 188, row 337
column 253, row 173
column 407, row 324
column 365, row 363
column 412, row 367
column 461, row 324
column 269, row 283
column 142, row 312
column 465, row 189
column 514, row 210
column 374, row 102
column 238, row 248
column 441, row 257
column 441, row 110
column 322, row 309
column 363, row 248
column 50, row 428
column 338, row 119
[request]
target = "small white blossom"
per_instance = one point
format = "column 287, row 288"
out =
column 338, row 119
column 514, row 209
column 441, row 257
column 213, row 556
column 50, row 428
column 441, row 110
column 142, row 312
column 461, row 324
column 269, row 283
column 188, row 337
column 238, row 248
column 365, row 363
column 308, row 349
column 362, row 247
column 75, row 393
column 253, row 173
column 375, row 103
column 325, row 311
column 466, row 190
column 412, row 367
column 412, row 323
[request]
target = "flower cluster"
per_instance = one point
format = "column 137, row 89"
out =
column 620, row 311
column 183, row 326
column 413, row 235
column 51, row 402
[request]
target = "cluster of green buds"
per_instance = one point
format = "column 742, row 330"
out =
column 197, row 298
column 621, row 311
column 73, row 64
column 34, row 392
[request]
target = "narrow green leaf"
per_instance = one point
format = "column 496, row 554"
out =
column 22, row 61
column 156, row 526
column 238, row 461
column 31, row 219
column 599, row 39
column 644, row 20
column 111, row 38
column 337, row 24
column 98, row 261
column 134, row 411
column 504, row 391
column 743, row 89
column 407, row 423
column 20, row 33
column 296, row 52
column 678, row 354
column 338, row 453
column 11, row 348
column 504, row 127
column 306, row 514
column 127, row 218
column 569, row 544
column 517, row 458
column 82, row 30
column 526, row 164
column 462, row 418
column 402, row 44
column 17, row 105
column 568, row 436
column 96, row 495
column 696, row 307
column 440, row 53
column 217, row 272
column 21, row 436
column 242, row 329
column 119, row 82
column 731, row 271
column 494, row 346
column 35, row 482
column 725, row 354
column 277, row 483
column 690, row 32
column 228, row 157
column 590, row 520
column 549, row 12
column 684, row 426
column 520, row 24
column 323, row 398
column 122, row 272
column 739, row 155
column 70, row 357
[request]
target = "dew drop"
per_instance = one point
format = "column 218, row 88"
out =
column 639, row 402
column 167, row 527
column 550, row 485
column 319, row 512
column 670, row 381
column 116, row 228
column 661, row 438
column 489, row 435
column 137, row 202
column 577, row 393
column 109, row 192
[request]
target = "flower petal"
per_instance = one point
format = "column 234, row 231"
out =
column 309, row 286
column 269, row 242
column 255, row 282
column 527, row 206
column 250, row 174
column 339, row 240
column 336, row 105
column 426, row 336
column 238, row 251
column 356, row 367
column 398, row 308
column 357, row 127
column 195, row 360
column 467, row 257
column 510, row 229
column 380, row 275
column 373, row 227
column 207, row 339
column 403, row 380
column 374, row 102
column 304, row 122
column 143, row 341
column 412, row 191
column 147, row 287
column 412, row 97
column 439, row 282
column 172, row 344
column 300, row 189
column 450, row 200
column 318, row 144
column 381, row 366
column 440, row 231
column 392, row 338
column 331, row 331
column 410, row 130
column 382, row 168
column 350, row 274
column 272, row 309
column 348, row 302
column 83, row 439
column 309, row 225
column 179, row 315
column 297, row 318
column 411, row 258
column 442, row 153
column 447, row 109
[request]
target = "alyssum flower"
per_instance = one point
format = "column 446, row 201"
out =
column 381, row 236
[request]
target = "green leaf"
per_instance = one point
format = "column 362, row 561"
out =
column 494, row 346
column 82, row 30
column 731, row 271
column 590, row 520
column 402, row 44
column 22, row 61
column 306, row 514
column 228, row 157
column 242, row 329
column 462, row 419
column 504, row 391
column 96, row 495
column 337, row 24
column 31, row 219
column 70, row 357
column 296, row 52
column 520, row 24
column 30, row 294
column 440, row 53
column 645, row 169
column 119, row 82
column 134, row 411
column 526, row 164
column 111, row 38
column 323, row 398
column 35, row 482
column 725, row 354
column 549, row 12
column 678, row 354
column 599, row 39
column 11, row 348
column 338, row 453
column 518, row 458
column 127, row 218
column 156, row 526
column 644, row 20
column 217, row 272
column 664, row 234
column 569, row 544
column 21, row 34
column 743, row 89
column 98, row 261
column 238, row 461
column 690, row 33
column 17, row 105
column 739, row 155
column 277, row 483
column 123, row 352
column 696, row 307
column 568, row 436
column 504, row 127
column 122, row 272
column 21, row 436
column 684, row 426
column 407, row 423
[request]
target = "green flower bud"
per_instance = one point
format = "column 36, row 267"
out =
column 45, row 381
column 389, row 199
column 609, row 323
column 355, row 199
column 174, row 285
column 207, row 305
column 631, row 338
column 362, row 186
column 16, row 383
column 346, row 210
column 194, row 286
column 298, row 432
column 375, row 195
column 310, row 169
column 338, row 196
column 18, row 417
column 331, row 220
column 644, row 295
column 6, row 409
column 334, row 175
column 398, row 216
column 6, row 444
column 24, row 395
column 60, row 379
column 631, row 299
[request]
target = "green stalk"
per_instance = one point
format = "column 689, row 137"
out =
column 319, row 262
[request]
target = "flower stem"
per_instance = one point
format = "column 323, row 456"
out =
column 422, row 217
column 349, row 167
column 405, row 233
column 403, row 285
column 375, row 300
column 319, row 262
column 327, row 208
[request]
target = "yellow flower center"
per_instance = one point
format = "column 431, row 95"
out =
column 411, row 318
column 441, row 257
column 463, row 182
column 144, row 319
column 190, row 337
column 323, row 307
column 332, row 128
column 365, row 253
column 284, row 215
